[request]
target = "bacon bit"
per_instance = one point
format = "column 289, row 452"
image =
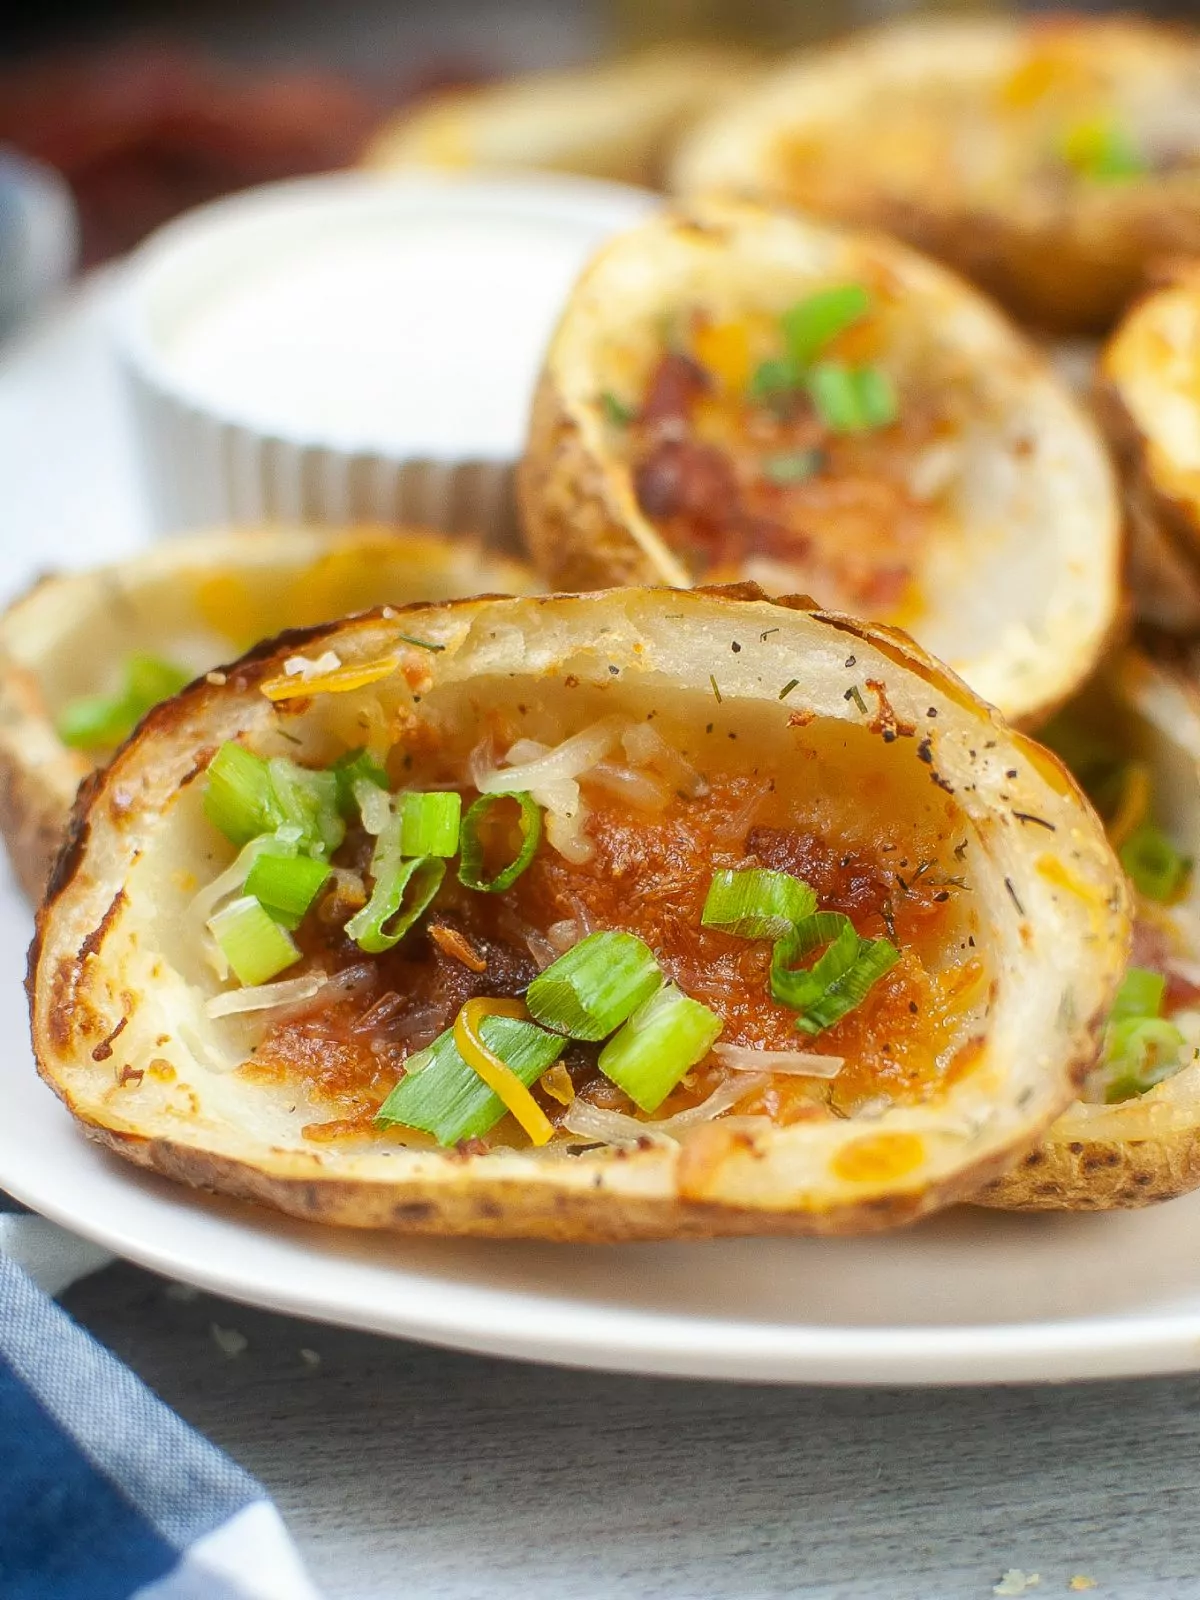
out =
column 457, row 945
column 885, row 721
column 340, row 681
column 130, row 1075
column 801, row 719
column 557, row 1083
column 104, row 1049
column 675, row 384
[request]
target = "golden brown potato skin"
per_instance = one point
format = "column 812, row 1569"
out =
column 1098, row 1174
column 39, row 775
column 1134, row 387
column 584, row 526
column 1064, row 260
column 575, row 535
column 1101, row 1158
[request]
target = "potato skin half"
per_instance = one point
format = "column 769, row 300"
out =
column 1102, row 1158
column 92, row 957
column 43, row 629
column 1066, row 265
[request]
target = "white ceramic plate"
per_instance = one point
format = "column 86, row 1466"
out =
column 970, row 1297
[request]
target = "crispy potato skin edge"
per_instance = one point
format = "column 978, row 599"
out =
column 1099, row 1174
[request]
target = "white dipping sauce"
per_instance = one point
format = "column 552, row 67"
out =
column 407, row 338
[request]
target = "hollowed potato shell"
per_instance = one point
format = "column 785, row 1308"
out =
column 1099, row 1157
column 1065, row 259
column 196, row 602
column 117, row 990
column 1148, row 400
column 1022, row 591
column 618, row 121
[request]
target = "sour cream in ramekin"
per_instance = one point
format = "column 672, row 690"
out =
column 353, row 347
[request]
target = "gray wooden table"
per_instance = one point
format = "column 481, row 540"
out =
column 405, row 1471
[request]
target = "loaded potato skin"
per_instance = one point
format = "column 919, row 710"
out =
column 645, row 708
column 1048, row 159
column 1133, row 1138
column 70, row 646
column 738, row 393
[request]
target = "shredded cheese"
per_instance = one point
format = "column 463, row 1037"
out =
column 499, row 1077
column 338, row 681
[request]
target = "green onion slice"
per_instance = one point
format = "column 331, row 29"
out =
column 1103, row 150
column 1158, row 870
column 402, row 893
column 471, row 844
column 252, row 942
column 834, row 390
column 429, row 823
column 775, row 379
column 616, row 410
column 309, row 800
column 239, row 797
column 591, row 990
column 813, row 323
column 839, row 980
column 356, row 766
column 1140, row 995
column 97, row 721
column 1138, row 1053
column 877, row 402
column 442, row 1095
column 665, row 1037
column 286, row 885
column 757, row 903
column 793, row 467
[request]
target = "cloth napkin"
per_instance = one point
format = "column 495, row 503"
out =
column 104, row 1493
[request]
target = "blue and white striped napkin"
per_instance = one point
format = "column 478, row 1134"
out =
column 104, row 1493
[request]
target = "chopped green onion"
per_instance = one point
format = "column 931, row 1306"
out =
column 877, row 402
column 149, row 680
column 1138, row 1053
column 665, row 1037
column 93, row 722
column 839, row 980
column 774, row 379
column 97, row 721
column 429, row 822
column 1140, row 995
column 286, row 885
column 1103, row 150
column 470, row 866
column 590, row 991
column 1158, row 870
column 616, row 410
column 252, row 942
column 239, row 797
column 356, row 766
column 835, row 394
column 309, row 800
column 442, row 1095
column 794, row 467
column 757, row 903
column 813, row 323
column 402, row 893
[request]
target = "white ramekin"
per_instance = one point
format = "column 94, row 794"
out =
column 411, row 412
